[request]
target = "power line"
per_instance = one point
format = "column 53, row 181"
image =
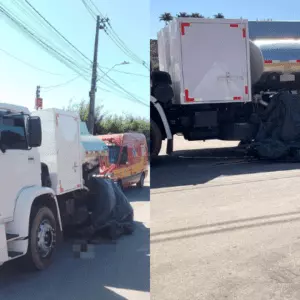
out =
column 56, row 54
column 123, row 49
column 64, row 38
column 90, row 11
column 53, row 38
column 52, row 87
column 63, row 58
column 68, row 62
column 134, row 98
column 114, row 85
column 121, row 43
column 125, row 72
column 120, row 87
column 122, row 96
column 28, row 64
column 26, row 10
column 113, row 35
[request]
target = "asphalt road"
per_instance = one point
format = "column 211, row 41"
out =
column 118, row 271
column 224, row 228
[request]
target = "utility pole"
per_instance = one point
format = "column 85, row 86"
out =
column 38, row 99
column 38, row 91
column 101, row 24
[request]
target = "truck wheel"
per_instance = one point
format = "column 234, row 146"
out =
column 141, row 183
column 42, row 240
column 156, row 139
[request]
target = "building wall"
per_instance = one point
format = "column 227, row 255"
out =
column 274, row 29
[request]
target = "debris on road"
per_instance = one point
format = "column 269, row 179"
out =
column 278, row 136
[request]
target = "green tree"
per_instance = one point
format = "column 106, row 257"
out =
column 166, row 17
column 82, row 108
column 125, row 123
column 197, row 15
column 105, row 123
column 219, row 16
column 182, row 15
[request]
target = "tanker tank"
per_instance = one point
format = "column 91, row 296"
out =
column 281, row 65
column 256, row 62
column 282, row 56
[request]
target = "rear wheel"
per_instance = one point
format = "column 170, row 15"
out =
column 42, row 239
column 155, row 140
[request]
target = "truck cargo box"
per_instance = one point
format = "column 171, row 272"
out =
column 61, row 149
column 208, row 60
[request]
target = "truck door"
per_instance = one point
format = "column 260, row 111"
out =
column 20, row 167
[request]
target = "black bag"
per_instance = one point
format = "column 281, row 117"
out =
column 279, row 132
column 111, row 212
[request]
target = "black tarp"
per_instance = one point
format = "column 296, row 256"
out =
column 111, row 214
column 278, row 136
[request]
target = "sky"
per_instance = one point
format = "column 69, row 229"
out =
column 18, row 81
column 251, row 10
column 133, row 20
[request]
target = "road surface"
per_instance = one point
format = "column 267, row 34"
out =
column 118, row 271
column 224, row 228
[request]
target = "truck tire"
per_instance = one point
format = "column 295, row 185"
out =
column 141, row 182
column 156, row 139
column 42, row 239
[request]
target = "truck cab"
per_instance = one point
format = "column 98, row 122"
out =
column 25, row 205
column 20, row 135
column 42, row 181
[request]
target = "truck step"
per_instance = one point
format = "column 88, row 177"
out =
column 13, row 254
column 11, row 236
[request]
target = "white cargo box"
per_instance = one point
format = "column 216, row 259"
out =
column 208, row 60
column 61, row 149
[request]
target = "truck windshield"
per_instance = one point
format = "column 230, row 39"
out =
column 15, row 124
column 114, row 152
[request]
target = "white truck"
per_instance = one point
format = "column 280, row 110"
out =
column 209, row 84
column 43, row 164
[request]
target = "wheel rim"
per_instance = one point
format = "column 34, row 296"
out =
column 45, row 238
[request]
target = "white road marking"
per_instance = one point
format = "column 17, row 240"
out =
column 130, row 294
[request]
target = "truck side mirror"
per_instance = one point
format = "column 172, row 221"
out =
column 34, row 127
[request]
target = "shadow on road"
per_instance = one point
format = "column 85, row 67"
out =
column 136, row 194
column 124, row 265
column 195, row 167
